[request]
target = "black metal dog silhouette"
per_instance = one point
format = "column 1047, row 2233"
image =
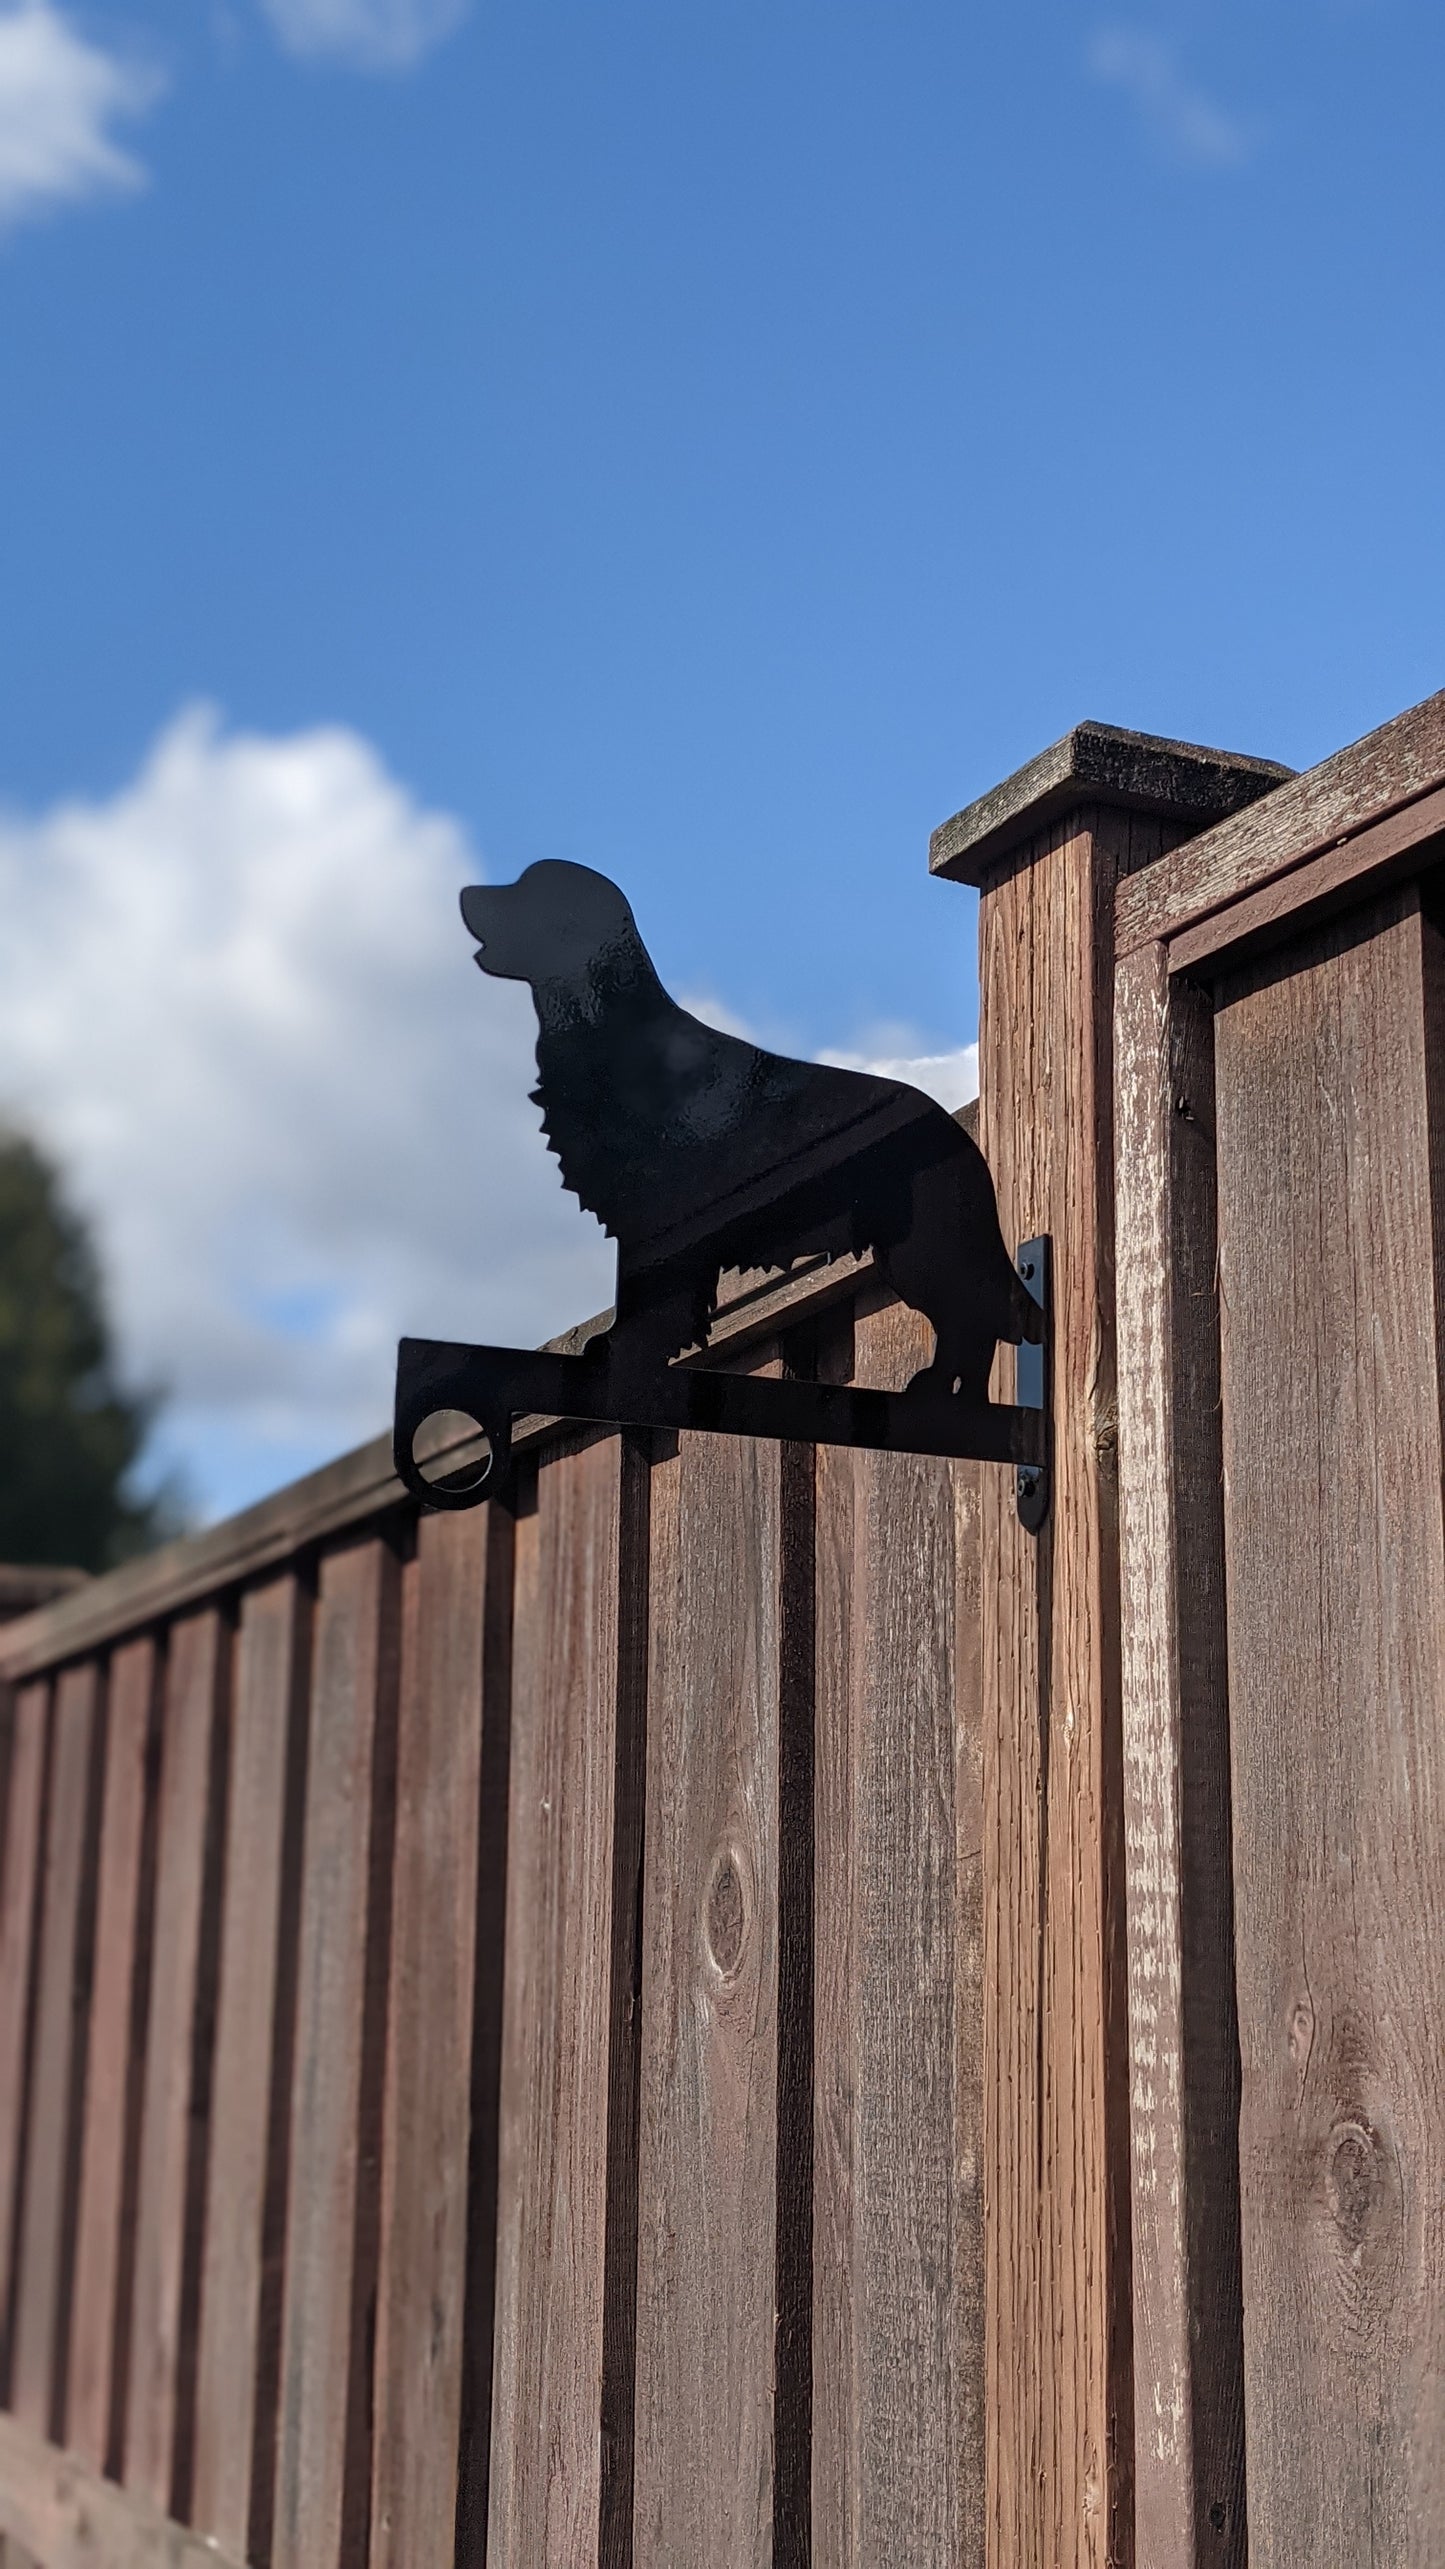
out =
column 699, row 1152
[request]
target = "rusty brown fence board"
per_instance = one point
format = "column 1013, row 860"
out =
column 51, row 2174
column 898, row 2262
column 24, row 1836
column 426, row 2118
column 249, row 2094
column 706, row 2281
column 180, row 2003
column 324, row 2395
column 110, row 2088
column 1330, row 1064
column 545, row 2485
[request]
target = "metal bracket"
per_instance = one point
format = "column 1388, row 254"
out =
column 1032, row 1368
column 495, row 1386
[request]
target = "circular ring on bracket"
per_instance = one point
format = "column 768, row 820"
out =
column 469, row 1483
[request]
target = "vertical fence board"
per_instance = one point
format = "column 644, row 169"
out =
column 420, row 2293
column 61, row 2020
column 197, row 1675
column 898, row 2335
column 1328, row 1069
column 1056, row 2057
column 24, row 1819
column 323, row 2447
column 129, row 1705
column 706, row 2237
column 235, row 2351
column 545, row 2486
column 1183, row 2035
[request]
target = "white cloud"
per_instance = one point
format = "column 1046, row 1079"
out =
column 950, row 1077
column 237, row 1000
column 372, row 35
column 1189, row 125
column 60, row 96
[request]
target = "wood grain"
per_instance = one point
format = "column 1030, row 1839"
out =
column 545, row 2474
column 323, row 2444
column 130, row 1711
column 1183, row 2037
column 1329, row 1152
column 178, row 2020
column 19, row 1883
column 266, row 1779
column 58, row 2513
column 1405, row 843
column 1055, row 2063
column 898, row 2332
column 62, row 2013
column 1389, row 768
column 706, row 2228
column 426, row 2119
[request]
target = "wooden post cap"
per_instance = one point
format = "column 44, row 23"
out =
column 1097, row 763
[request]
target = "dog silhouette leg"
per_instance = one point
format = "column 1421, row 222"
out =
column 660, row 1312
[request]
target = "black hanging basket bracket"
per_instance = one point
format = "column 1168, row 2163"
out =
column 495, row 1386
column 701, row 1153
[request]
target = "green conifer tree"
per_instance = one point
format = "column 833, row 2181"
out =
column 69, row 1433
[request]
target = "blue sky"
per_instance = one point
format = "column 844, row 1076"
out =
column 712, row 442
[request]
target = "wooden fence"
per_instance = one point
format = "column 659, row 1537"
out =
column 739, row 2009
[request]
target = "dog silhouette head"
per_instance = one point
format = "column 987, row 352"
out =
column 556, row 923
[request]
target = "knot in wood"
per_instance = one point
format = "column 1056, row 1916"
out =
column 725, row 1916
column 1357, row 2178
column 1365, row 2210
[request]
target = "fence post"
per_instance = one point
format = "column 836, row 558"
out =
column 1046, row 851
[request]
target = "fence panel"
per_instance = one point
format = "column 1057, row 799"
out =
column 1331, row 1057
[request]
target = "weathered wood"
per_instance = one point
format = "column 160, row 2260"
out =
column 110, row 2089
column 160, row 2370
column 19, row 1884
column 425, row 2139
column 706, row 2234
column 1055, row 2062
column 1094, row 764
column 898, row 2337
column 62, row 2010
column 1388, row 768
column 348, row 1493
column 1341, row 878
column 1329, row 1067
column 545, row 2475
column 57, row 2512
column 323, row 2445
column 250, row 2100
column 1183, row 2038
